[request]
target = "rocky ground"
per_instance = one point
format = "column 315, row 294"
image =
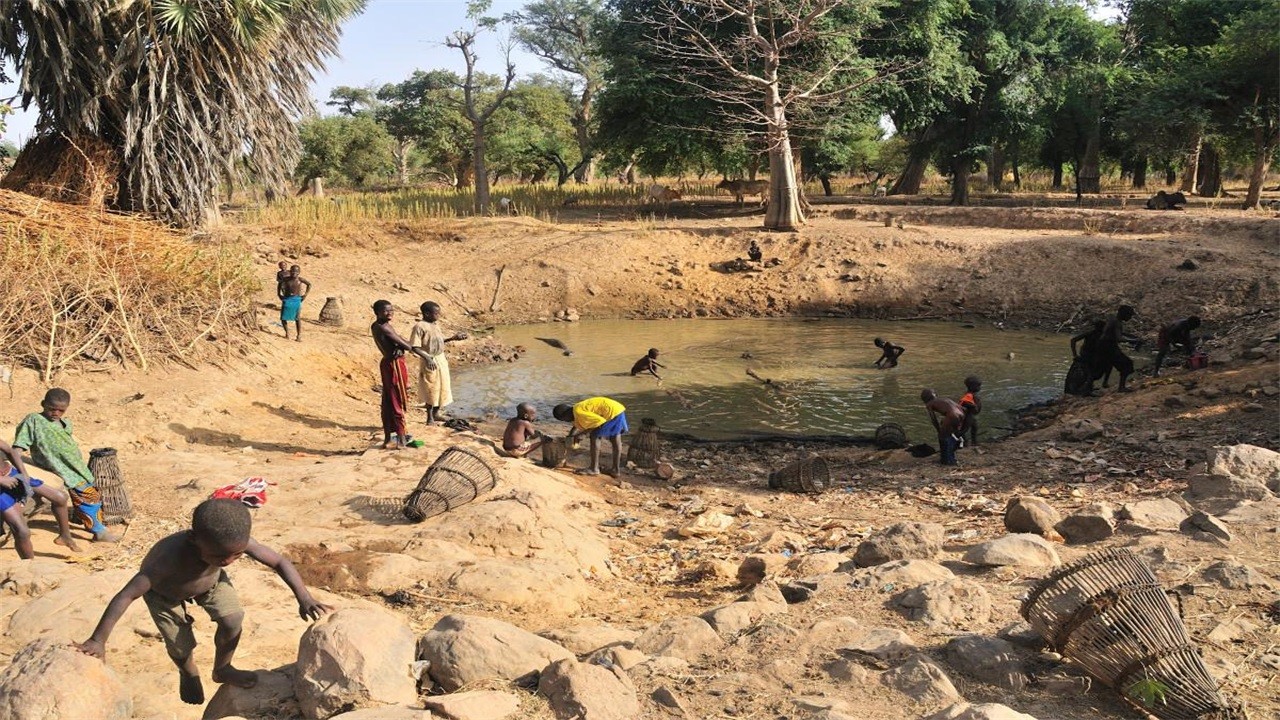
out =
column 894, row 594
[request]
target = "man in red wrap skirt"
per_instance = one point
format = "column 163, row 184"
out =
column 395, row 375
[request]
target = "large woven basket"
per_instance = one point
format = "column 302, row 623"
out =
column 456, row 478
column 811, row 475
column 891, row 436
column 1108, row 614
column 105, row 467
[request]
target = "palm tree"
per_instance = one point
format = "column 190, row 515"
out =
column 147, row 105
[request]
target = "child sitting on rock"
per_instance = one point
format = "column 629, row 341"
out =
column 16, row 489
column 520, row 438
column 187, row 567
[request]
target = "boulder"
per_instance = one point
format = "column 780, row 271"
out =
column 900, row 574
column 49, row 679
column 888, row 645
column 1030, row 514
column 586, row 639
column 731, row 619
column 980, row 711
column 954, row 603
column 1021, row 633
column 1202, row 522
column 765, row 592
column 578, row 691
column 988, row 659
column 922, row 680
column 1236, row 576
column 1090, row 524
column 759, row 567
column 686, row 638
column 1081, row 429
column 706, row 525
column 463, row 649
column 474, row 705
column 1021, row 550
column 385, row 713
column 272, row 695
column 352, row 659
column 1153, row 515
column 816, row 563
column 900, row 541
column 71, row 611
column 803, row 589
column 533, row 586
column 1248, row 463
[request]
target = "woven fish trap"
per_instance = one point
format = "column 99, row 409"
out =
column 456, row 478
column 1108, row 614
column 555, row 452
column 891, row 436
column 645, row 449
column 331, row 313
column 810, row 475
column 105, row 467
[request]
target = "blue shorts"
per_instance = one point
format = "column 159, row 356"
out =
column 11, row 497
column 290, row 307
column 615, row 427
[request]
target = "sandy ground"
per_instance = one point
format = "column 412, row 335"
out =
column 305, row 416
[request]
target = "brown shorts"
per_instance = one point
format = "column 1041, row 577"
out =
column 174, row 623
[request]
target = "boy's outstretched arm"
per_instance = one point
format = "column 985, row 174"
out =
column 96, row 645
column 308, row 607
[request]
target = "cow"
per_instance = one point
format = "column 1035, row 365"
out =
column 1166, row 201
column 663, row 194
column 741, row 188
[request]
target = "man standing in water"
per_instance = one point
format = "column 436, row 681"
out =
column 1109, row 352
column 395, row 376
column 948, row 418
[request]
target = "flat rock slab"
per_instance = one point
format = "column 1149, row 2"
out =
column 585, row 639
column 988, row 659
column 887, row 645
column 687, row 638
column 1153, row 515
column 922, row 680
column 1030, row 514
column 355, row 658
column 463, row 649
column 900, row 541
column 474, row 705
column 980, row 711
column 899, row 574
column 1090, row 524
column 954, row 603
column 49, row 679
column 731, row 619
column 1020, row 550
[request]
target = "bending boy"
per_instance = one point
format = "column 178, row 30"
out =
column 1175, row 333
column 187, row 567
column 647, row 364
column 46, row 435
column 889, row 353
column 947, row 417
column 602, row 417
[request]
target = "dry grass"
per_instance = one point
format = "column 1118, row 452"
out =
column 82, row 284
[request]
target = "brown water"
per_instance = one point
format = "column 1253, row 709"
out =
column 824, row 381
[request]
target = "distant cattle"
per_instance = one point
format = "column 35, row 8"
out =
column 881, row 191
column 741, row 188
column 663, row 194
column 1166, row 201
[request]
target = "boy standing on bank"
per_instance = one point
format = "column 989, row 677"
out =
column 435, row 384
column 187, row 567
column 948, row 418
column 46, row 435
column 603, row 418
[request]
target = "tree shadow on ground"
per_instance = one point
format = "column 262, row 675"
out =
column 311, row 421
column 218, row 438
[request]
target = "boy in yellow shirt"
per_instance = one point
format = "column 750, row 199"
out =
column 602, row 417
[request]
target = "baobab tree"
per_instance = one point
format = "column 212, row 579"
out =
column 478, row 104
column 762, row 61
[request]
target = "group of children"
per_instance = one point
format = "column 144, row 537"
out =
column 1099, row 350
column 954, row 420
column 427, row 341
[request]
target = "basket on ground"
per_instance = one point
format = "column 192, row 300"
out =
column 555, row 451
column 456, row 478
column 116, row 507
column 891, row 436
column 811, row 475
column 331, row 313
column 1108, row 614
column 645, row 449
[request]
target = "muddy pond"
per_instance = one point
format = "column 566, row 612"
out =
column 821, row 371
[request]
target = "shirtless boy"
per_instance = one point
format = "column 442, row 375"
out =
column 972, row 405
column 187, row 567
column 1175, row 333
column 948, row 418
column 520, row 438
column 291, row 292
column 18, row 488
column 889, row 353
column 395, row 375
column 648, row 364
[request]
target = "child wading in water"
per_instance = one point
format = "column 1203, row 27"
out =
column 648, row 364
column 602, row 417
column 435, row 386
column 187, row 567
column 520, row 438
column 889, row 353
column 972, row 405
column 947, row 417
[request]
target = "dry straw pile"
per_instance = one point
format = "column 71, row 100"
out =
column 81, row 284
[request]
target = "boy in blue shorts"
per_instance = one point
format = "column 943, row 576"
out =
column 602, row 417
column 18, row 488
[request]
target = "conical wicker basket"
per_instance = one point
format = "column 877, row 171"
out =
column 646, row 449
column 456, row 478
column 331, row 313
column 811, row 475
column 1108, row 614
column 891, row 436
column 555, row 451
column 116, row 506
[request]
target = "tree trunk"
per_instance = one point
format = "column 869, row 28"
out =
column 402, row 161
column 1057, row 174
column 784, row 211
column 960, row 165
column 585, row 170
column 1192, row 166
column 908, row 183
column 753, row 165
column 1209, row 183
column 1140, row 172
column 995, row 167
column 826, row 184
column 1089, row 177
column 1261, row 161
column 1170, row 174
column 481, row 175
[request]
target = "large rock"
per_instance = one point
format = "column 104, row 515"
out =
column 922, row 680
column 1081, row 429
column 899, row 574
column 900, row 541
column 1236, row 576
column 1201, row 523
column 1030, row 514
column 1247, row 463
column 272, row 695
column 816, row 563
column 988, row 659
column 731, row 619
column 954, row 603
column 463, row 649
column 980, row 711
column 474, row 705
column 71, row 611
column 578, row 691
column 586, row 639
column 1090, row 524
column 47, row 680
column 758, row 567
column 533, row 586
column 1153, row 515
column 887, row 645
column 352, row 659
column 687, row 638
column 1021, row 550
column 37, row 576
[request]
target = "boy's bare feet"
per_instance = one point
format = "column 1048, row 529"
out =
column 107, row 536
column 68, row 542
column 589, row 471
column 190, row 689
column 234, row 676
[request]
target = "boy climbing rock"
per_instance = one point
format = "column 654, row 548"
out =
column 187, row 567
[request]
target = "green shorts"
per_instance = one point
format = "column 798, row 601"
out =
column 174, row 623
